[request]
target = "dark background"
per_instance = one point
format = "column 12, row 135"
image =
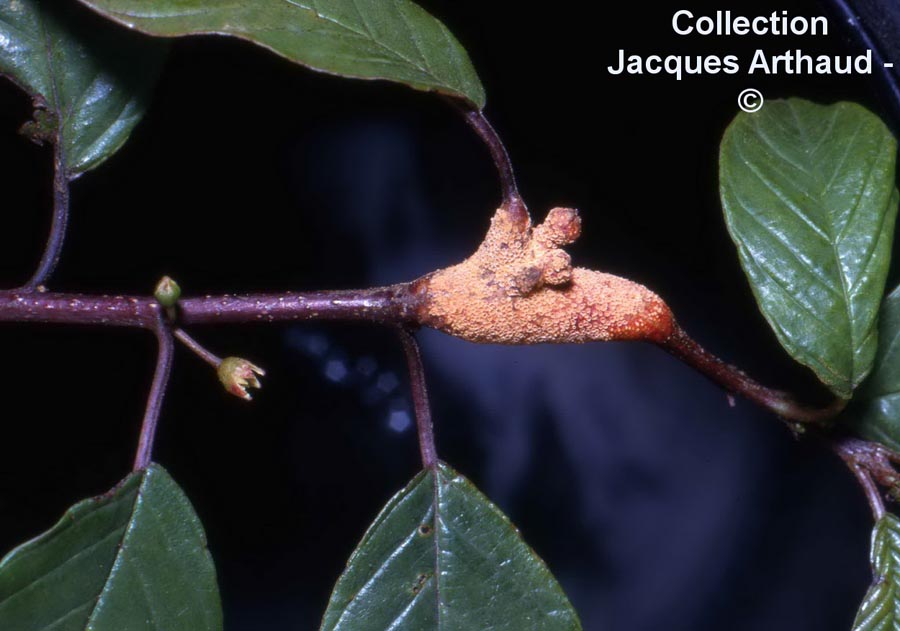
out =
column 656, row 504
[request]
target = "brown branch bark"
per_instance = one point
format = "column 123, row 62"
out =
column 384, row 305
column 735, row 381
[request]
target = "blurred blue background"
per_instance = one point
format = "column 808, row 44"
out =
column 656, row 504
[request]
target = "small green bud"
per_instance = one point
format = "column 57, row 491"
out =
column 237, row 374
column 167, row 292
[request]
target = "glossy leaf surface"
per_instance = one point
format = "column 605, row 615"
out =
column 810, row 201
column 134, row 559
column 394, row 40
column 880, row 610
column 875, row 411
column 90, row 81
column 441, row 556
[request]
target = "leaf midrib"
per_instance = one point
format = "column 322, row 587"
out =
column 119, row 548
column 436, row 529
column 439, row 479
column 833, row 240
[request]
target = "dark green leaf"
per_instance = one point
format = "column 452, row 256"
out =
column 90, row 81
column 809, row 198
column 441, row 556
column 875, row 411
column 134, row 559
column 368, row 39
column 880, row 609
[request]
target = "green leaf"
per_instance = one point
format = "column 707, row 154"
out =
column 90, row 81
column 134, row 559
column 880, row 609
column 809, row 199
column 875, row 411
column 441, row 556
column 367, row 39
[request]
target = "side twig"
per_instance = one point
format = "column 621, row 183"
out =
column 421, row 405
column 157, row 394
column 58, row 224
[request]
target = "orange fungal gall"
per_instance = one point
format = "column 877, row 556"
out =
column 519, row 287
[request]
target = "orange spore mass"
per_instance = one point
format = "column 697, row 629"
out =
column 520, row 288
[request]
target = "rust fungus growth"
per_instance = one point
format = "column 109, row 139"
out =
column 519, row 287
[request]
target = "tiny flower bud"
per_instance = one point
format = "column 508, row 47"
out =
column 167, row 292
column 238, row 374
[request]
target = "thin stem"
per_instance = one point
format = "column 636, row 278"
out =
column 421, row 405
column 509, row 189
column 736, row 381
column 58, row 224
column 870, row 463
column 157, row 394
column 198, row 349
column 870, row 489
